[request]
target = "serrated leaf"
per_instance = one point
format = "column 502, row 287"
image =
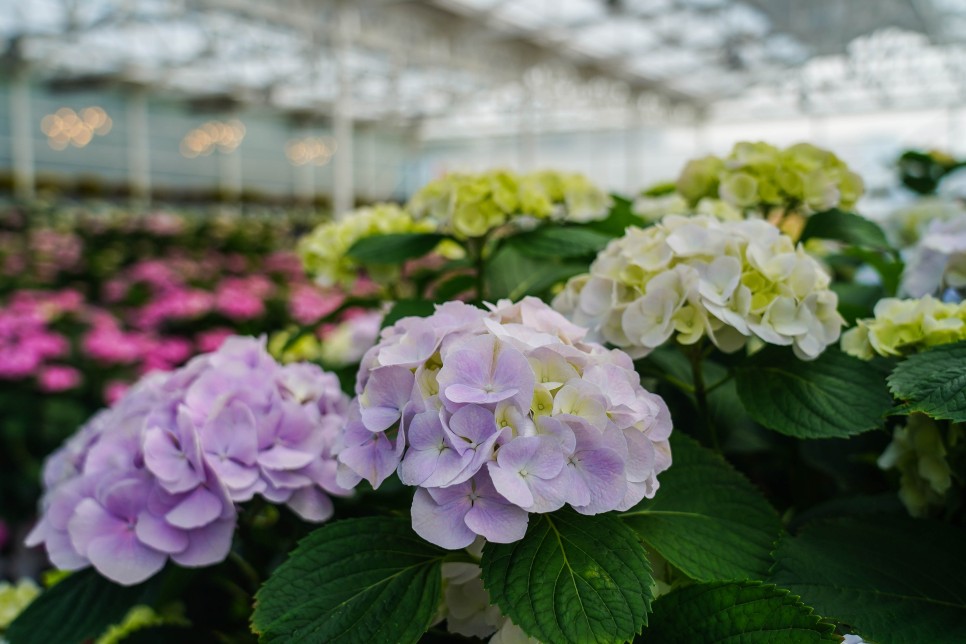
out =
column 511, row 274
column 895, row 580
column 406, row 308
column 552, row 241
column 393, row 249
column 572, row 578
column 844, row 226
column 358, row 580
column 78, row 608
column 933, row 382
column 833, row 396
column 746, row 612
column 707, row 519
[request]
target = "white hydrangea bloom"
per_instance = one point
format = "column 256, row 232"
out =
column 690, row 277
column 852, row 639
column 467, row 609
column 938, row 261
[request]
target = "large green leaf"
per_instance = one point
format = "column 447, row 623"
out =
column 833, row 396
column 933, row 382
column 360, row 580
column 553, row 241
column 78, row 608
column 895, row 580
column 393, row 249
column 621, row 216
column 511, row 274
column 746, row 612
column 572, row 578
column 406, row 308
column 845, row 226
column 706, row 519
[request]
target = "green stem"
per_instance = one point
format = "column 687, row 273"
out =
column 701, row 398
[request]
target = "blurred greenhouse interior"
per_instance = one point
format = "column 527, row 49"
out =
column 342, row 102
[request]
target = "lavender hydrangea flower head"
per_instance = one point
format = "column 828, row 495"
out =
column 495, row 414
column 157, row 475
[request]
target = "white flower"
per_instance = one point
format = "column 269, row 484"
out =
column 938, row 261
column 690, row 277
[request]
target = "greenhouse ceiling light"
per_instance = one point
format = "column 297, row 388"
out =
column 67, row 127
column 223, row 136
column 314, row 150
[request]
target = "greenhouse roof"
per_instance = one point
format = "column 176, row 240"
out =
column 418, row 59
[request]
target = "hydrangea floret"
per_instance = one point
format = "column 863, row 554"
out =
column 471, row 205
column 324, row 250
column 919, row 453
column 14, row 599
column 157, row 475
column 904, row 326
column 937, row 263
column 495, row 414
column 759, row 176
column 693, row 277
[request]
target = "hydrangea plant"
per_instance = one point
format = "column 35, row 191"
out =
column 695, row 277
column 496, row 415
column 158, row 475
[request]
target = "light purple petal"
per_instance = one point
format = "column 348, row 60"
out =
column 208, row 545
column 231, row 434
column 157, row 533
column 121, row 557
column 199, row 508
column 442, row 525
column 492, row 516
column 386, row 394
column 311, row 504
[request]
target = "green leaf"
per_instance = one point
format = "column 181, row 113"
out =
column 79, row 608
column 857, row 300
column 706, row 519
column 572, row 578
column 406, row 308
column 552, row 241
column 933, row 382
column 895, row 580
column 455, row 285
column 393, row 249
column 746, row 612
column 833, row 396
column 844, row 226
column 358, row 580
column 511, row 274
column 620, row 217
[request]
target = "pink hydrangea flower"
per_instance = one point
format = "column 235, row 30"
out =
column 56, row 378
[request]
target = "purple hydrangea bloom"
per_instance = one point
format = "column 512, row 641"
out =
column 495, row 414
column 157, row 476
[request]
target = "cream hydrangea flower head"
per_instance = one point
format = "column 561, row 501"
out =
column 918, row 451
column 14, row 599
column 471, row 205
column 938, row 261
column 901, row 327
column 691, row 277
column 323, row 251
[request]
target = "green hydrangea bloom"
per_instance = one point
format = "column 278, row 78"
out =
column 906, row 326
column 918, row 451
column 323, row 251
column 14, row 598
column 471, row 205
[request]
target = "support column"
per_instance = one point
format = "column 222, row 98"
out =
column 527, row 134
column 633, row 172
column 139, row 148
column 343, row 193
column 230, row 167
column 21, row 131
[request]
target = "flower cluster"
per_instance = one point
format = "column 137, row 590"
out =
column 467, row 610
column 158, row 474
column 335, row 345
column 760, row 176
column 905, row 326
column 938, row 261
column 493, row 415
column 906, row 225
column 324, row 250
column 14, row 599
column 691, row 277
column 471, row 205
column 918, row 451
column 30, row 347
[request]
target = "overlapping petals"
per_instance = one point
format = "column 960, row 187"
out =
column 495, row 414
column 901, row 327
column 693, row 277
column 157, row 476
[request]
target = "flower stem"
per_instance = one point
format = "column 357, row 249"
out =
column 475, row 247
column 708, row 427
